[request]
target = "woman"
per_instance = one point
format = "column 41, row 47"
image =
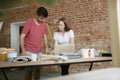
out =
column 64, row 34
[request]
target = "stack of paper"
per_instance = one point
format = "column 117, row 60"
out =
column 52, row 57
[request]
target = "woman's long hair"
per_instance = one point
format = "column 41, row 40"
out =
column 66, row 25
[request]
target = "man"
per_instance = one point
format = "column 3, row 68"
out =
column 33, row 32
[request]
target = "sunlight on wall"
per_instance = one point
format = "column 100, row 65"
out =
column 1, row 25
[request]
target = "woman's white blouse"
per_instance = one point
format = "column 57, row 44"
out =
column 63, row 39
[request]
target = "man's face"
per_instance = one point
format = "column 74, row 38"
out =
column 41, row 19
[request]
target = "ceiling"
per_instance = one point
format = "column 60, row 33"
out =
column 4, row 4
column 13, row 2
column 9, row 2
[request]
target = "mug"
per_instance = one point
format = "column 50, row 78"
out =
column 3, row 56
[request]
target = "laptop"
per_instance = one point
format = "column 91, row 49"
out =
column 64, row 48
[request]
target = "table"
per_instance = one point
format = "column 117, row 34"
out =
column 63, row 64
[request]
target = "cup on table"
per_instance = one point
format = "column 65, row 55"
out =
column 3, row 56
column 34, row 57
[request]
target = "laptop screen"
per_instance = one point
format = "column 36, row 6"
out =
column 64, row 48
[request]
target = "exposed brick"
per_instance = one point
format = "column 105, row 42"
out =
column 88, row 18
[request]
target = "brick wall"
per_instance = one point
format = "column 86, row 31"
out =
column 88, row 19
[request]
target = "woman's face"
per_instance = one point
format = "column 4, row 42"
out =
column 61, row 25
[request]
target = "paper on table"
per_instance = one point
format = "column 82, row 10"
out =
column 52, row 57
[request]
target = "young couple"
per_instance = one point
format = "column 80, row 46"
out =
column 35, row 30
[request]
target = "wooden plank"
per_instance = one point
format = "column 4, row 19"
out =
column 4, row 64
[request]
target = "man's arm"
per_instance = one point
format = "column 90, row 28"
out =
column 22, row 36
column 46, row 44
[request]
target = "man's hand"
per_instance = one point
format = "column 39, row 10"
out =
column 22, row 54
column 47, row 51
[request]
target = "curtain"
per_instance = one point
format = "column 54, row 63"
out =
column 114, row 31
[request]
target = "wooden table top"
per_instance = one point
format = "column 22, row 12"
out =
column 4, row 64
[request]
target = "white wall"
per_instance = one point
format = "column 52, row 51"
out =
column 15, row 34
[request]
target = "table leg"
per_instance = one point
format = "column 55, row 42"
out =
column 64, row 69
column 4, row 74
column 91, row 66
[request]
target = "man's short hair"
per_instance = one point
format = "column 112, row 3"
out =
column 41, row 11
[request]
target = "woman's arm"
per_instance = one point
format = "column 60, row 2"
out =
column 71, row 37
column 55, row 38
column 56, row 42
column 72, row 40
